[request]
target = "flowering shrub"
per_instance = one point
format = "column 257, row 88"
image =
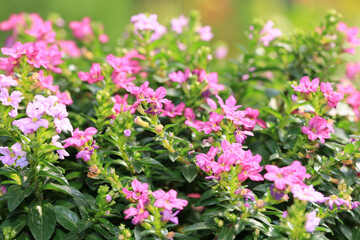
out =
column 157, row 139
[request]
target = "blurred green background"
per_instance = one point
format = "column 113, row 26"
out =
column 228, row 18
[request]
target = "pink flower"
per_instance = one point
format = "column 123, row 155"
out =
column 318, row 128
column 139, row 191
column 157, row 97
column 64, row 97
column 69, row 47
column 221, row 52
column 139, row 213
column 204, row 161
column 103, row 38
column 142, row 23
column 79, row 138
column 177, row 24
column 268, row 33
column 121, row 104
column 213, row 123
column 87, row 152
column 171, row 110
column 333, row 199
column 7, row 81
column 41, row 30
column 307, row 193
column 280, row 176
column 332, row 97
column 14, row 21
column 307, row 86
column 10, row 156
column 82, row 30
column 168, row 200
column 61, row 152
column 251, row 171
column 93, row 76
column 16, row 51
column 211, row 79
column 205, row 33
column 179, row 76
column 13, row 100
column 229, row 106
column 351, row 33
column 352, row 69
column 311, row 221
column 47, row 82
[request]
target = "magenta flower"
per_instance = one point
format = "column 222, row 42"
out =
column 93, row 76
column 229, row 106
column 47, row 82
column 69, row 48
column 352, row 69
column 171, row 110
column 221, row 52
column 13, row 100
column 318, row 128
column 11, row 155
column 332, row 97
column 311, row 221
column 41, row 30
column 251, row 171
column 156, row 98
column 307, row 193
column 87, row 152
column 14, row 21
column 177, row 24
column 16, row 51
column 333, row 199
column 168, row 200
column 34, row 121
column 351, row 33
column 82, row 30
column 213, row 123
column 103, row 38
column 64, row 97
column 179, row 76
column 268, row 33
column 169, row 216
column 279, row 176
column 211, row 79
column 142, row 22
column 205, row 33
column 79, row 138
column 121, row 104
column 127, row 132
column 139, row 213
column 307, row 86
column 204, row 161
column 139, row 191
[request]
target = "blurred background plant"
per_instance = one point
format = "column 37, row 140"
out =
column 228, row 18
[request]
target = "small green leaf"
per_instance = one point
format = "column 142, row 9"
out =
column 173, row 156
column 189, row 172
column 198, row 226
column 66, row 218
column 41, row 220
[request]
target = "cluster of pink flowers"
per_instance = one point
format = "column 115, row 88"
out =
column 82, row 30
column 318, row 128
column 165, row 201
column 286, row 176
column 148, row 23
column 83, row 141
column 351, row 36
column 178, row 24
column 125, row 68
column 268, row 33
column 205, row 33
column 306, row 86
column 232, row 155
column 153, row 99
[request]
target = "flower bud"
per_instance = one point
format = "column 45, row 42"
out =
column 94, row 171
column 159, row 128
column 260, row 203
column 140, row 122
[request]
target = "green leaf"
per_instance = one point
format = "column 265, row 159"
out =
column 109, row 226
column 54, row 175
column 66, row 218
column 199, row 226
column 16, row 222
column 67, row 190
column 173, row 156
column 350, row 148
column 98, row 228
column 41, row 220
column 226, row 234
column 189, row 172
column 16, row 194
